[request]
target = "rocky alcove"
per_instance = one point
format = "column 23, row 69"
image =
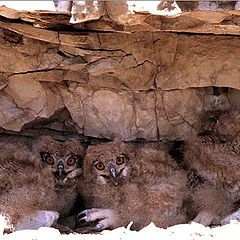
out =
column 137, row 77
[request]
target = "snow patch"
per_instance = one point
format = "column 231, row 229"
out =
column 29, row 5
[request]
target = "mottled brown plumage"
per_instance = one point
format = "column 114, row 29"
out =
column 215, row 155
column 42, row 178
column 122, row 183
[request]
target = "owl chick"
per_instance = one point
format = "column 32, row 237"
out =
column 215, row 157
column 122, row 184
column 41, row 178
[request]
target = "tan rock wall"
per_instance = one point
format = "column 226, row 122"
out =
column 143, row 84
column 197, row 61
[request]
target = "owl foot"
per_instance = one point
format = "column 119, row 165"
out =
column 234, row 216
column 37, row 219
column 204, row 218
column 106, row 217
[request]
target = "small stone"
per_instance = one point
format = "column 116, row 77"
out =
column 37, row 220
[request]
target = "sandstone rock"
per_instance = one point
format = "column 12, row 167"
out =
column 30, row 55
column 209, row 62
column 107, row 113
column 145, row 107
column 27, row 94
column 110, row 114
column 74, row 104
column 147, row 78
column 117, row 11
column 50, row 75
column 53, row 100
column 29, row 31
column 175, row 117
column 179, row 112
column 8, row 13
column 11, row 116
column 90, row 10
column 26, row 100
column 86, row 10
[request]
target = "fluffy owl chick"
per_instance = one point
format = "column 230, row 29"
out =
column 63, row 159
column 217, row 162
column 123, row 184
column 42, row 179
column 220, row 127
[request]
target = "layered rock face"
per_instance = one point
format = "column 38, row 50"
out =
column 150, row 78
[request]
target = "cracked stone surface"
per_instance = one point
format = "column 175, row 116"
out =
column 207, row 62
column 151, row 78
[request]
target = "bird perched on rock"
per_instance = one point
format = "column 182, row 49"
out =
column 215, row 155
column 122, row 183
column 41, row 178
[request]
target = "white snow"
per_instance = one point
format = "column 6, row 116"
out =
column 29, row 5
column 151, row 7
column 193, row 231
column 134, row 6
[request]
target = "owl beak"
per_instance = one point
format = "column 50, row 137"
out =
column 60, row 170
column 113, row 173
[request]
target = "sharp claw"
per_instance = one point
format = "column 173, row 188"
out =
column 81, row 215
column 99, row 227
column 82, row 220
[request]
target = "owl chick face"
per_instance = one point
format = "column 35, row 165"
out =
column 109, row 163
column 59, row 163
column 110, row 168
column 63, row 158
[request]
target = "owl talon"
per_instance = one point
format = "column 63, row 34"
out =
column 82, row 220
column 99, row 227
column 234, row 216
column 88, row 215
column 106, row 217
column 81, row 216
column 204, row 218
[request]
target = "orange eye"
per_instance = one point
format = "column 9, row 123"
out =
column 71, row 161
column 120, row 160
column 99, row 166
column 49, row 160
